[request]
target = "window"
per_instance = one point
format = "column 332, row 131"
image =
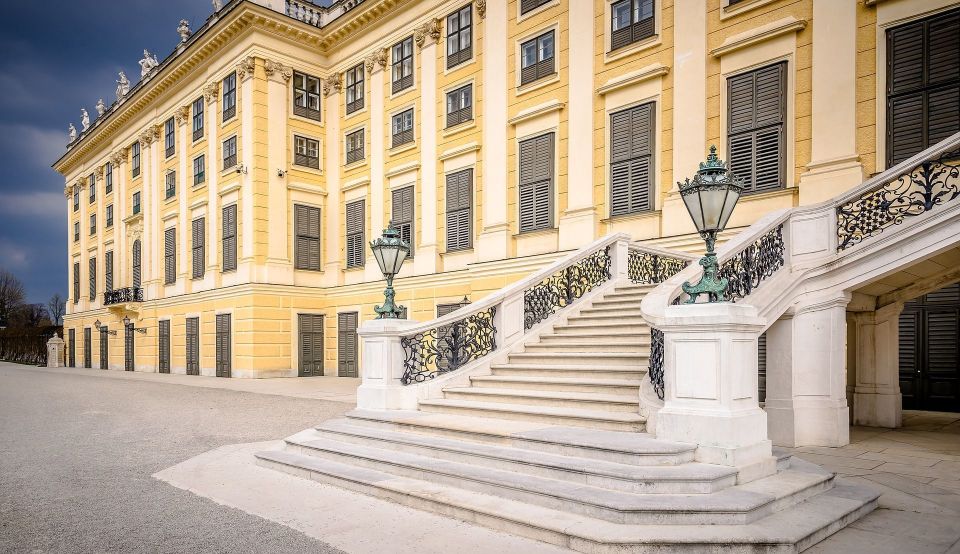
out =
column 135, row 160
column 756, row 111
column 76, row 231
column 402, row 127
column 76, row 198
column 460, row 106
column 163, row 346
column 198, row 118
column 108, row 178
column 92, row 185
column 536, row 183
column 402, row 214
column 171, row 184
column 306, row 152
column 92, row 272
column 110, row 216
column 224, row 350
column 230, row 152
column 530, row 5
column 193, row 346
column 229, row 238
column 199, row 242
column 199, row 169
column 108, row 271
column 93, row 224
column 354, row 96
column 136, row 203
column 459, row 36
column 536, row 58
column 135, row 266
column 355, row 146
column 229, row 96
column 355, row 221
column 402, row 65
column 76, row 282
column 169, row 141
column 306, row 225
column 170, row 256
column 347, row 351
column 306, row 96
column 631, row 160
column 460, row 210
column 630, row 21
column 311, row 344
column 923, row 84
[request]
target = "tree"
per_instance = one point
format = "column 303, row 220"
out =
column 11, row 295
column 57, row 307
column 27, row 316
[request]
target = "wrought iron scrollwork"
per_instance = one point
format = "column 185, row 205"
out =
column 565, row 286
column 749, row 267
column 124, row 295
column 448, row 347
column 655, row 369
column 647, row 267
column 932, row 183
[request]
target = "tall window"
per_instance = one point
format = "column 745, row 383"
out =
column 536, row 58
column 229, row 248
column 630, row 21
column 402, row 56
column 306, row 96
column 923, row 84
column 169, row 141
column 536, row 183
column 402, row 124
column 108, row 271
column 170, row 256
column 171, row 184
column 198, row 118
column 306, row 152
column 92, row 272
column 402, row 214
column 460, row 105
column 110, row 216
column 459, row 36
column 355, row 244
column 354, row 97
column 631, row 160
column 76, row 282
column 76, row 231
column 92, row 185
column 530, row 5
column 93, row 224
column 135, row 266
column 354, row 146
column 306, row 224
column 193, row 346
column 756, row 112
column 163, row 345
column 76, row 198
column 199, row 242
column 460, row 210
column 136, row 203
column 108, row 178
column 230, row 152
column 135, row 159
column 229, row 87
column 199, row 169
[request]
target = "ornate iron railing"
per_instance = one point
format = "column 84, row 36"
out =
column 749, row 267
column 448, row 347
column 655, row 367
column 932, row 183
column 124, row 295
column 648, row 267
column 565, row 286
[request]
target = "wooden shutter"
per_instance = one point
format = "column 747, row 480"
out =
column 170, row 256
column 193, row 346
column 229, row 238
column 536, row 183
column 347, row 344
column 104, row 345
column 631, row 159
column 762, row 368
column 355, row 232
column 460, row 210
column 76, row 282
column 136, row 263
column 402, row 214
column 128, row 348
column 92, row 270
column 224, row 350
column 306, row 223
column 164, row 346
column 756, row 112
column 199, row 243
column 73, row 348
column 311, row 345
column 87, row 348
column 108, row 271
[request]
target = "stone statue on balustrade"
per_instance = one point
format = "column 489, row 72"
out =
column 148, row 63
column 184, row 30
column 217, row 4
column 84, row 119
column 101, row 108
column 73, row 133
column 123, row 85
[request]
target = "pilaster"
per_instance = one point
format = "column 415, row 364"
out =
column 279, row 268
column 425, row 261
column 246, row 70
column 212, row 127
column 120, row 245
column 331, row 218
column 376, row 65
column 494, row 239
column 876, row 396
column 184, row 184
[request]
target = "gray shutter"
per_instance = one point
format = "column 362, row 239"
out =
column 311, row 344
column 347, row 344
column 93, row 278
column 199, row 246
column 536, row 183
column 136, row 263
column 193, row 346
column 104, row 345
column 460, row 210
column 76, row 282
column 164, row 346
column 73, row 348
column 229, row 238
column 631, row 154
column 306, row 223
column 355, row 232
column 402, row 214
column 108, row 271
column 170, row 255
column 224, row 351
column 756, row 112
column 87, row 348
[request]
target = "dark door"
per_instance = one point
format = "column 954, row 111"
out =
column 73, row 348
column 164, row 346
column 193, row 346
column 104, row 344
column 224, row 351
column 128, row 347
column 311, row 345
column 347, row 344
column 930, row 351
column 87, row 348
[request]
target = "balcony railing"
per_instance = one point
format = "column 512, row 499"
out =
column 122, row 296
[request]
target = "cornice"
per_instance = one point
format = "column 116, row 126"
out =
column 647, row 73
column 536, row 111
column 775, row 29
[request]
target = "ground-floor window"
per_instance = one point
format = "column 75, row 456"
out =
column 224, row 347
column 311, row 345
column 347, row 344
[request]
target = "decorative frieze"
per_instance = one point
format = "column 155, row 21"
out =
column 277, row 69
column 378, row 57
column 211, row 91
column 182, row 115
column 99, row 173
column 431, row 29
column 135, row 230
column 246, row 67
column 481, row 8
column 332, row 84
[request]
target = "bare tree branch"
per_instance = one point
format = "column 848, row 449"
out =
column 11, row 295
column 57, row 307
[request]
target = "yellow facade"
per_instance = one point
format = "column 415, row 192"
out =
column 682, row 68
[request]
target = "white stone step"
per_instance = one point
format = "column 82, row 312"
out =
column 571, row 384
column 567, row 343
column 610, row 311
column 611, row 329
column 606, row 318
column 689, row 478
column 607, row 359
column 596, row 444
column 587, row 333
column 558, row 399
column 564, row 370
column 594, row 419
column 622, row 303
column 616, row 294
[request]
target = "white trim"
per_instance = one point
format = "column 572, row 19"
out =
column 653, row 71
column 401, row 169
column 355, row 183
column 536, row 111
column 759, row 34
column 459, row 151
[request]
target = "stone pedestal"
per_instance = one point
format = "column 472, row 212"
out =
column 55, row 351
column 710, row 362
column 382, row 366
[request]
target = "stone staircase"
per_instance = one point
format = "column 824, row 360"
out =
column 550, row 445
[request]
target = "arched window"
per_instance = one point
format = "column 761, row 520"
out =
column 136, row 263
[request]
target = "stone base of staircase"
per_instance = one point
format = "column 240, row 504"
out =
column 587, row 489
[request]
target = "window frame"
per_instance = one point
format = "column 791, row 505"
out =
column 354, row 238
column 405, row 225
column 630, row 160
column 76, row 198
column 351, row 154
column 301, row 152
column 542, row 67
column 527, row 6
column 170, row 256
column 169, row 138
column 750, row 185
column 135, row 160
column 200, row 177
column 108, row 178
column 93, row 224
column 310, row 239
column 109, row 210
column 232, row 158
column 452, row 211
column 401, row 82
column 308, row 94
column 228, row 96
column 405, row 135
column 637, row 30
column 135, row 203
column 462, row 54
column 356, row 88
column 92, row 185
column 198, row 250
column 551, row 183
column 76, row 231
column 229, row 236
column 197, row 119
column 463, row 113
column 170, row 184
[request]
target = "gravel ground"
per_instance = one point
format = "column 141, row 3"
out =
column 77, row 454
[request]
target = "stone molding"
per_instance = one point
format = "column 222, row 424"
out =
column 377, row 57
column 99, row 173
column 211, row 91
column 332, row 84
column 147, row 137
column 246, row 67
column 275, row 69
column 762, row 33
column 182, row 115
column 431, row 29
column 135, row 230
column 119, row 157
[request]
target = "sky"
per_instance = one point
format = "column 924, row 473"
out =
column 61, row 56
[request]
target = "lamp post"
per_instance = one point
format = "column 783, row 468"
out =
column 97, row 325
column 128, row 325
column 710, row 198
column 390, row 252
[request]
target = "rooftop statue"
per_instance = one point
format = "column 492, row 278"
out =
column 123, row 85
column 148, row 63
column 217, row 4
column 101, row 107
column 73, row 133
column 184, row 30
column 84, row 119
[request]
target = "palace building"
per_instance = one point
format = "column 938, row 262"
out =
column 220, row 210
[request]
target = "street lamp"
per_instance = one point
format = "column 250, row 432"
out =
column 390, row 251
column 128, row 325
column 710, row 198
column 97, row 325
